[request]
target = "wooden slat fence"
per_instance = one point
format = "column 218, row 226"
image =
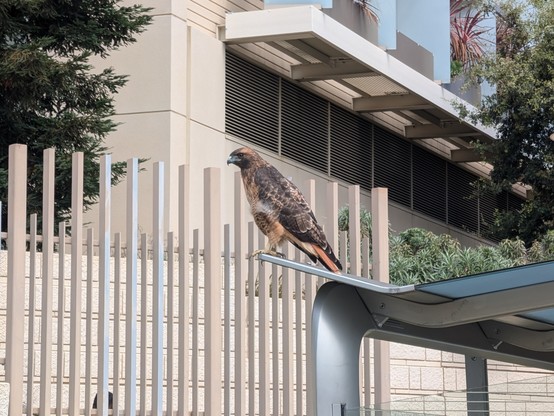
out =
column 165, row 326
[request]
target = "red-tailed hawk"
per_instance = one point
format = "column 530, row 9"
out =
column 280, row 210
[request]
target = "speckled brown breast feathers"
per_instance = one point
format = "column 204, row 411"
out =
column 280, row 210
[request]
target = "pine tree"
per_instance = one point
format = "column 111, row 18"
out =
column 49, row 95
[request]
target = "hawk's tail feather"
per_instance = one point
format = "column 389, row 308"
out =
column 311, row 256
column 328, row 259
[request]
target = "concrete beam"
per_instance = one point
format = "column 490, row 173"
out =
column 390, row 103
column 465, row 155
column 336, row 69
column 429, row 131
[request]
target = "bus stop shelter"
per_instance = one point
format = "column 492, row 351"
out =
column 506, row 315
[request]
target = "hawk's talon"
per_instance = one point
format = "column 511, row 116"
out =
column 269, row 252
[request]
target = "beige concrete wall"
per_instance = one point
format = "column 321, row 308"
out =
column 151, row 108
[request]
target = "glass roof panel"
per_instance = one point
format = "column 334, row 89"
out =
column 489, row 282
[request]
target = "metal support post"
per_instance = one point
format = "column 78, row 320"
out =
column 477, row 386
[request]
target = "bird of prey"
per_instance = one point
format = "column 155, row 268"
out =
column 280, row 210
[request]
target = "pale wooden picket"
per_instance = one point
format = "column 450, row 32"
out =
column 77, row 180
column 47, row 277
column 61, row 318
column 32, row 314
column 184, row 285
column 131, row 289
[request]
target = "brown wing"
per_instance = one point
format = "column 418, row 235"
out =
column 295, row 215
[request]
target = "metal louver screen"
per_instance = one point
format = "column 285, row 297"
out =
column 351, row 148
column 462, row 205
column 278, row 115
column 251, row 103
column 514, row 202
column 429, row 176
column 304, row 127
column 488, row 204
column 392, row 158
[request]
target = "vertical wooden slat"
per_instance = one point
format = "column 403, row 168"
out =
column 143, row 321
column 275, row 319
column 90, row 297
column 310, row 284
column 366, row 264
column 158, row 285
column 299, row 333
column 251, row 322
column 104, row 282
column 366, row 372
column 77, row 180
column 170, row 379
column 240, row 302
column 366, row 368
column 332, row 223
column 227, row 319
column 343, row 244
column 61, row 317
column 32, row 312
column 331, row 226
column 116, row 323
column 263, row 331
column 288, row 352
column 17, row 220
column 47, row 272
column 212, row 283
column 354, row 229
column 354, row 236
column 184, row 218
column 195, row 321
column 380, row 236
column 131, row 289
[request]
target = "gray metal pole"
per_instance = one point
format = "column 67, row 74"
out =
column 477, row 386
column 340, row 320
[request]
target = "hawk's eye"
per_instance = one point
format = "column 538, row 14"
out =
column 240, row 155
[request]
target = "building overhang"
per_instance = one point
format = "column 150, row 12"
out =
column 318, row 48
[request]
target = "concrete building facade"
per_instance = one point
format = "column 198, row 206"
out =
column 173, row 108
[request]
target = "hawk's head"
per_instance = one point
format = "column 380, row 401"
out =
column 244, row 158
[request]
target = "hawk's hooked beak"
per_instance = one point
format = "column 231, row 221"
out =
column 232, row 159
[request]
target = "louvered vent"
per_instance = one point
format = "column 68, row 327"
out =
column 392, row 158
column 429, row 172
column 251, row 103
column 462, row 205
column 304, row 127
column 351, row 154
column 514, row 202
column 488, row 204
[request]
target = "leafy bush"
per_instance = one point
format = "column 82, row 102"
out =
column 420, row 256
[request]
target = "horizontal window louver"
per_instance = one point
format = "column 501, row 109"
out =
column 462, row 205
column 392, row 165
column 514, row 202
column 251, row 103
column 304, row 127
column 489, row 203
column 351, row 148
column 429, row 177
